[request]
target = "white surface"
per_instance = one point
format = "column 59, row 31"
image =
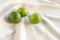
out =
column 48, row 29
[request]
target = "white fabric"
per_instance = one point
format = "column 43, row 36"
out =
column 48, row 29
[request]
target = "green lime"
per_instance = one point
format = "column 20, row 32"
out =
column 23, row 11
column 15, row 17
column 35, row 18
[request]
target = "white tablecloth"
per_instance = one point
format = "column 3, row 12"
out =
column 48, row 29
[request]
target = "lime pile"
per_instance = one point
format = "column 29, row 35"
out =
column 16, row 16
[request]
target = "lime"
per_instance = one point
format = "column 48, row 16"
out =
column 35, row 18
column 15, row 17
column 23, row 11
